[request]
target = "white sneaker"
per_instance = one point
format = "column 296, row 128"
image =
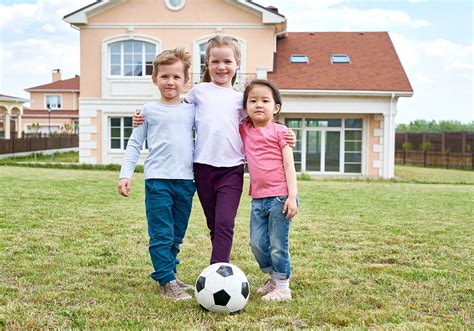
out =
column 278, row 294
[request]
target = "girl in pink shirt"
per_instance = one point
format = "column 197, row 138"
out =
column 272, row 187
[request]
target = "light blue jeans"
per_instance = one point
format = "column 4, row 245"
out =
column 269, row 236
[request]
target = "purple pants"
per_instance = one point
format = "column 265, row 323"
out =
column 219, row 190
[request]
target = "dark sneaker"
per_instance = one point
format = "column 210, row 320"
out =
column 267, row 287
column 183, row 285
column 174, row 291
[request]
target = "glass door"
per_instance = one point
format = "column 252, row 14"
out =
column 332, row 153
column 313, row 150
column 323, row 150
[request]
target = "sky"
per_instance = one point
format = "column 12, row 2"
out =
column 433, row 38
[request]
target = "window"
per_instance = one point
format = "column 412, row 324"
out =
column 340, row 58
column 323, row 123
column 132, row 58
column 120, row 131
column 353, row 145
column 295, row 124
column 299, row 58
column 53, row 101
column 175, row 4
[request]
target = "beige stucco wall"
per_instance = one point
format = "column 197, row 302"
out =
column 69, row 100
column 258, row 38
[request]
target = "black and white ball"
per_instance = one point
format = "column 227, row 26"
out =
column 222, row 288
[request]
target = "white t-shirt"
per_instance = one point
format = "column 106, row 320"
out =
column 219, row 111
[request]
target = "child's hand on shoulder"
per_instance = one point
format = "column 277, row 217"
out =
column 290, row 207
column 124, row 186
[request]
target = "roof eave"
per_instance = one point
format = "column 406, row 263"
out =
column 374, row 93
column 51, row 90
column 81, row 16
column 268, row 17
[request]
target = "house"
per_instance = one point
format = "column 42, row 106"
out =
column 54, row 106
column 11, row 111
column 340, row 89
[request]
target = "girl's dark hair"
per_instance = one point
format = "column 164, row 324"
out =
column 263, row 82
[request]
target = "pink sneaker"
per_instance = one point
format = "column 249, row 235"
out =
column 267, row 287
column 278, row 294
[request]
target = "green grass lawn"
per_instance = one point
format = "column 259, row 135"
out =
column 365, row 254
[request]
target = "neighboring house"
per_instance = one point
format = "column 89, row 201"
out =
column 11, row 111
column 340, row 89
column 54, row 106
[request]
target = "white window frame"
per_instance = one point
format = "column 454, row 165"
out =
column 122, row 61
column 172, row 7
column 46, row 96
column 122, row 136
column 342, row 129
column 334, row 56
column 299, row 58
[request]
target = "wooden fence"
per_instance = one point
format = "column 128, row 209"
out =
column 38, row 143
column 435, row 159
column 453, row 142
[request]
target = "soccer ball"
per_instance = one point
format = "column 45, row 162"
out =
column 222, row 288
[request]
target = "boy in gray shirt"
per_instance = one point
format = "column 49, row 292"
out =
column 169, row 185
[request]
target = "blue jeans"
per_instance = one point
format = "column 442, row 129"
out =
column 168, row 207
column 269, row 236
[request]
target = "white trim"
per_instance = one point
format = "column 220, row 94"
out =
column 81, row 16
column 106, row 77
column 55, row 90
column 53, row 95
column 267, row 15
column 173, row 26
column 174, row 8
column 345, row 93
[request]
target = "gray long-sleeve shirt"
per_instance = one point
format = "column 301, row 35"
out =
column 168, row 130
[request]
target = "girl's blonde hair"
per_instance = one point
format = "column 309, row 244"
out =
column 171, row 56
column 221, row 41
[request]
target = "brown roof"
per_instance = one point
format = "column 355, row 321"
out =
column 66, row 84
column 374, row 64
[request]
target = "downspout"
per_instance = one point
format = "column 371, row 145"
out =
column 276, row 37
column 391, row 166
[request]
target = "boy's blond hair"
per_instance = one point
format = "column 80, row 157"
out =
column 171, row 56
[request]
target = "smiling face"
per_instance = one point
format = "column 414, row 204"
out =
column 261, row 106
column 170, row 80
column 222, row 65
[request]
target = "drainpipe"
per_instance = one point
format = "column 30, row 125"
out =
column 276, row 37
column 391, row 164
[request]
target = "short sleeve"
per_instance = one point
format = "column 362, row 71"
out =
column 191, row 96
column 281, row 130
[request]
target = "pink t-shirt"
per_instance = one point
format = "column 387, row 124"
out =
column 263, row 150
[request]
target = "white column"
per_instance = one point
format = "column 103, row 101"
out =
column 6, row 125
column 18, row 124
column 389, row 146
column 389, row 141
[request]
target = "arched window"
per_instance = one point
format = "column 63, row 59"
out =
column 131, row 58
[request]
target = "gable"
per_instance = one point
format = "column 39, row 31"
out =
column 155, row 12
